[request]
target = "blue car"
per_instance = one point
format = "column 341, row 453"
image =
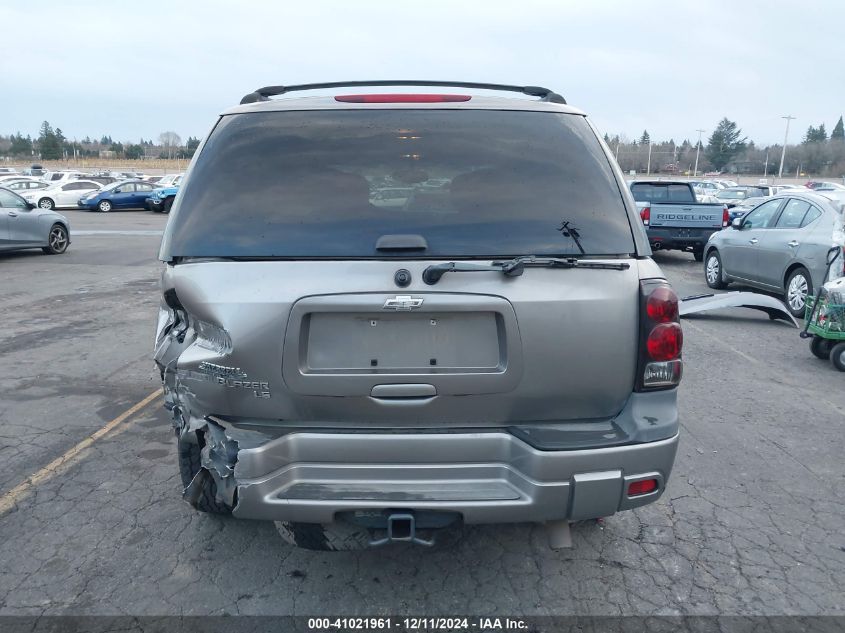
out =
column 162, row 199
column 126, row 194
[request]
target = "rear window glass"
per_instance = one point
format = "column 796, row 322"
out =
column 647, row 192
column 472, row 183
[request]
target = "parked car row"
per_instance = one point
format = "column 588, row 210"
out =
column 775, row 238
column 100, row 191
column 25, row 226
column 780, row 245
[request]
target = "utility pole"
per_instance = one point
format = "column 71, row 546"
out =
column 697, row 149
column 648, row 167
column 766, row 166
column 788, row 118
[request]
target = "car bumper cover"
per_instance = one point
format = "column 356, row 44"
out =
column 488, row 477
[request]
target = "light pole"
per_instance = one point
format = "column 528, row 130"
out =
column 697, row 149
column 648, row 167
column 788, row 118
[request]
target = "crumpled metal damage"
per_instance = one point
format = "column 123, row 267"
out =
column 771, row 306
column 219, row 453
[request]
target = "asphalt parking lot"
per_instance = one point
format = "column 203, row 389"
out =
column 751, row 524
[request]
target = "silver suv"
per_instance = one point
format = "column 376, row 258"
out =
column 384, row 314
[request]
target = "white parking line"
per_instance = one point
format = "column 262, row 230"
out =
column 126, row 232
column 61, row 463
column 720, row 342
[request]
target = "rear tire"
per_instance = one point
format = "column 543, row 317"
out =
column 57, row 241
column 837, row 356
column 799, row 286
column 821, row 347
column 330, row 537
column 698, row 254
column 190, row 463
column 46, row 203
column 713, row 271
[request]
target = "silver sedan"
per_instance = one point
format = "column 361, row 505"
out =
column 780, row 246
column 23, row 225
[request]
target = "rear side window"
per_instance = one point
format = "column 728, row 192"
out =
column 812, row 214
column 792, row 214
column 472, row 183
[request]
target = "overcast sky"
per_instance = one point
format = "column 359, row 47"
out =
column 136, row 69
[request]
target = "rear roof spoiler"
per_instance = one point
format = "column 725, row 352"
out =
column 264, row 94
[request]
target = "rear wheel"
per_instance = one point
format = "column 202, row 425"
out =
column 104, row 206
column 57, row 240
column 713, row 270
column 798, row 287
column 820, row 347
column 698, row 254
column 837, row 356
column 46, row 203
column 190, row 465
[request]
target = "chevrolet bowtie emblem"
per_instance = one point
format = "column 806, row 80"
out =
column 403, row 302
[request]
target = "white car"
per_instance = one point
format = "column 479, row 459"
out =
column 13, row 178
column 61, row 194
column 23, row 185
column 169, row 180
column 62, row 176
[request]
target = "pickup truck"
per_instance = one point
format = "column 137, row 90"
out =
column 161, row 199
column 673, row 217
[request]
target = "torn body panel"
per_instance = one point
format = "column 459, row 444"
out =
column 771, row 306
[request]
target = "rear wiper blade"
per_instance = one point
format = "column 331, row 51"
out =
column 516, row 266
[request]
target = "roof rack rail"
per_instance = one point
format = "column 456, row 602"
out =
column 264, row 94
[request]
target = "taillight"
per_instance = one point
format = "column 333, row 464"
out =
column 661, row 337
column 642, row 487
column 665, row 342
column 662, row 305
column 401, row 98
column 726, row 217
column 645, row 214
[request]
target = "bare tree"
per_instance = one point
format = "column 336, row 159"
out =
column 169, row 141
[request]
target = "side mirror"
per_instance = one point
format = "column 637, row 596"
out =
column 118, row 190
column 736, row 224
column 30, row 205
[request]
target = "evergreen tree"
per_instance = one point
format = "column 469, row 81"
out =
column 48, row 143
column 134, row 151
column 21, row 146
column 724, row 144
column 838, row 131
column 645, row 139
column 815, row 134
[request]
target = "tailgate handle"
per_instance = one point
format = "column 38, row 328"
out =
column 405, row 390
column 401, row 243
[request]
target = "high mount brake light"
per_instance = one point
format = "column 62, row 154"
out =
column 401, row 98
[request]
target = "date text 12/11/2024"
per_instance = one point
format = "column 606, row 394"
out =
column 479, row 624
